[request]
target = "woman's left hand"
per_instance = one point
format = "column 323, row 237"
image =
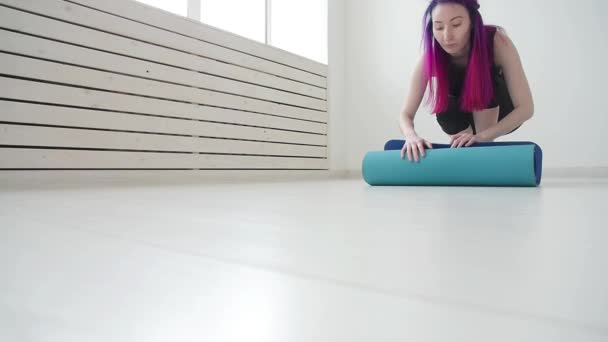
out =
column 465, row 139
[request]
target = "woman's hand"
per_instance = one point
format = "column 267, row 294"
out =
column 465, row 138
column 414, row 148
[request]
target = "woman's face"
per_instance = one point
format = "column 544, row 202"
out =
column 452, row 28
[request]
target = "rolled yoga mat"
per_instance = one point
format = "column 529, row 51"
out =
column 516, row 163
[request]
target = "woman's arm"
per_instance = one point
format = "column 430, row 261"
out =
column 414, row 145
column 507, row 57
column 413, row 99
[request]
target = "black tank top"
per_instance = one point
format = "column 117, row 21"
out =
column 456, row 73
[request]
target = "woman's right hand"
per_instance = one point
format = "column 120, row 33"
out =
column 414, row 148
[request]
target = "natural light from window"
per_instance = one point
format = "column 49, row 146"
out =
column 243, row 17
column 297, row 26
column 300, row 27
column 174, row 6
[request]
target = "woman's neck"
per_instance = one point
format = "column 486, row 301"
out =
column 462, row 58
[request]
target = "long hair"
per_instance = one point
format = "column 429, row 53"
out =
column 478, row 89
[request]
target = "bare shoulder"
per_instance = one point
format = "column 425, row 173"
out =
column 507, row 57
column 504, row 49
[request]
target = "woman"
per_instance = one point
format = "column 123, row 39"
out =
column 477, row 85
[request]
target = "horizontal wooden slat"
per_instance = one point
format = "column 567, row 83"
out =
column 53, row 29
column 18, row 135
column 65, row 53
column 71, row 96
column 55, row 72
column 24, row 158
column 95, row 19
column 29, row 113
column 147, row 14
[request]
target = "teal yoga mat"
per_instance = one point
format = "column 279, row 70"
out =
column 483, row 164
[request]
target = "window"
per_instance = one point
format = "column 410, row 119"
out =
column 243, row 17
column 174, row 6
column 300, row 27
column 297, row 26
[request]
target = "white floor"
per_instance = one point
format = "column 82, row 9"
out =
column 314, row 260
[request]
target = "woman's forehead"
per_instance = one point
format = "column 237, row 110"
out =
column 447, row 11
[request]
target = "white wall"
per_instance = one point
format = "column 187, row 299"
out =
column 564, row 51
column 336, row 85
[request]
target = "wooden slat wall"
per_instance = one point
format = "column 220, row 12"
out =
column 115, row 84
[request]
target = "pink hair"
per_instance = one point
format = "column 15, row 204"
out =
column 478, row 89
